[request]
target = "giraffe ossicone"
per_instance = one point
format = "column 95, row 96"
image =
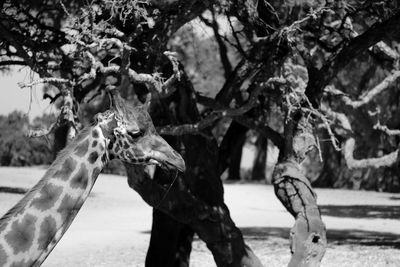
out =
column 31, row 229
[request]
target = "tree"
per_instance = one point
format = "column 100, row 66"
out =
column 16, row 149
column 293, row 59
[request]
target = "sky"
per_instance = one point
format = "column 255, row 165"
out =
column 12, row 97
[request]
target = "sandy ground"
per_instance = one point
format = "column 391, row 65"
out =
column 112, row 228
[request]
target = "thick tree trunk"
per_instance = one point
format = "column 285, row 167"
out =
column 236, row 158
column 259, row 166
column 177, row 250
column 293, row 189
column 212, row 223
column 308, row 235
column 230, row 150
column 194, row 200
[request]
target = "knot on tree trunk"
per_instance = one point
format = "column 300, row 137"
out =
column 307, row 240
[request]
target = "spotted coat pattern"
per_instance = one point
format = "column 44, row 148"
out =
column 33, row 227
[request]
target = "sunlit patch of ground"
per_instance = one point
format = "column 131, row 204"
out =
column 112, row 229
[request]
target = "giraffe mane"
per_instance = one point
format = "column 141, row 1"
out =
column 61, row 156
column 64, row 153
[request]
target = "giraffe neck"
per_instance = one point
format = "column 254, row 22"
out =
column 32, row 228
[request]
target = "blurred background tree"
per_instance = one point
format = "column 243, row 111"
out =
column 16, row 149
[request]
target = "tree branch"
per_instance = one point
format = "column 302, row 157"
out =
column 369, row 95
column 265, row 130
column 12, row 62
column 223, row 51
column 383, row 161
column 320, row 78
column 218, row 114
column 50, row 80
column 349, row 145
column 154, row 84
column 386, row 130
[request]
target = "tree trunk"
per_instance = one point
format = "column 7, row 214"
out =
column 259, row 166
column 236, row 158
column 194, row 200
column 230, row 150
column 60, row 139
column 176, row 242
column 213, row 224
column 293, row 189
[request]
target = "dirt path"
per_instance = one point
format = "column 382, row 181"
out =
column 112, row 229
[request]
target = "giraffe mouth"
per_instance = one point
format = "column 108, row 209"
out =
column 177, row 164
column 162, row 154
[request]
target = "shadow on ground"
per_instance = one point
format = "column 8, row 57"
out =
column 336, row 237
column 361, row 211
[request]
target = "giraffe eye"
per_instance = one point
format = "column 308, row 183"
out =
column 135, row 135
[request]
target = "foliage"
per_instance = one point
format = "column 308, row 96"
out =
column 16, row 149
column 70, row 39
column 306, row 75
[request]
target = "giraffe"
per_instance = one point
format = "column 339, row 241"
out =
column 32, row 228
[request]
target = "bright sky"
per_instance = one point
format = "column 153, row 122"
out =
column 12, row 97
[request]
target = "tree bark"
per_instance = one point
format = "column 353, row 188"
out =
column 308, row 235
column 177, row 250
column 60, row 139
column 259, row 166
column 236, row 158
column 212, row 223
column 225, row 148
column 194, row 200
column 230, row 150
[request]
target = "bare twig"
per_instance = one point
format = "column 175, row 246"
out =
column 155, row 85
column 43, row 131
column 166, row 87
column 287, row 32
column 327, row 126
column 50, row 80
column 223, row 51
column 238, row 45
column 66, row 116
column 386, row 130
column 64, row 8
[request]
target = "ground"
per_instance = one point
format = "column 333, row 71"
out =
column 113, row 226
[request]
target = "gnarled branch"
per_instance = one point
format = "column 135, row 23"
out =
column 349, row 146
column 369, row 95
column 383, row 161
column 386, row 130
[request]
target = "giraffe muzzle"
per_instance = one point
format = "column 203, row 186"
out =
column 165, row 155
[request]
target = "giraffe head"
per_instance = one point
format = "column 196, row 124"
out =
column 133, row 138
